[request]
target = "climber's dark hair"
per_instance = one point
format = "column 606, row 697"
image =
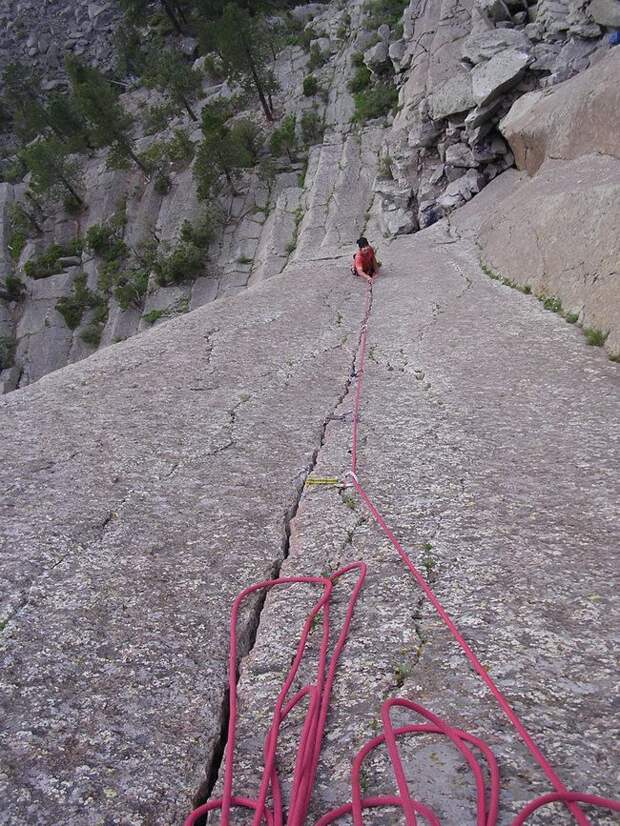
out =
column 362, row 242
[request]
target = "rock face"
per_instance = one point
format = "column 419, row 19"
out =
column 576, row 118
column 555, row 233
column 144, row 486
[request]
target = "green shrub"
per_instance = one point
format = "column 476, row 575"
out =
column 572, row 318
column 312, row 128
column 213, row 68
column 250, row 136
column 357, row 60
column 13, row 171
column 91, row 335
column 551, row 303
column 374, row 103
column 360, row 80
column 103, row 240
column 7, row 352
column 72, row 206
column 203, row 231
column 153, row 315
column 131, row 288
column 157, row 117
column 12, row 289
column 162, row 183
column 46, row 264
column 180, row 147
column 311, row 86
column 378, row 12
column 73, row 307
column 185, row 262
column 594, row 337
column 317, row 58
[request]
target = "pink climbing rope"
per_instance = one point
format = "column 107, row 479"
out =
column 318, row 695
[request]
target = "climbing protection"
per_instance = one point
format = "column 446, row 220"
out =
column 268, row 805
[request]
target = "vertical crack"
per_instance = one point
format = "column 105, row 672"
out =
column 249, row 634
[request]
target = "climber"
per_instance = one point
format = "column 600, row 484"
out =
column 365, row 263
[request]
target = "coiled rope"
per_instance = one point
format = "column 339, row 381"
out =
column 317, row 695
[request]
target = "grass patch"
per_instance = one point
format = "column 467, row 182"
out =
column 594, row 337
column 378, row 12
column 375, row 102
column 360, row 80
column 154, row 315
column 571, row 318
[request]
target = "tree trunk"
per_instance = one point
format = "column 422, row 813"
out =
column 135, row 158
column 259, row 88
column 168, row 9
column 188, row 109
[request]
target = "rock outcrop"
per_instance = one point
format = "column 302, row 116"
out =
column 555, row 233
column 572, row 119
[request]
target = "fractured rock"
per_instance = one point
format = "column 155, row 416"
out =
column 483, row 46
column 498, row 74
column 455, row 95
column 459, row 154
column 576, row 118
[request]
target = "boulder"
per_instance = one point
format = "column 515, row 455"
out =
column 459, row 154
column 376, row 57
column 384, row 32
column 495, row 10
column 576, row 118
column 606, row 13
column 572, row 210
column 455, row 95
column 461, row 190
column 483, row 46
column 399, row 222
column 501, row 72
column 397, row 52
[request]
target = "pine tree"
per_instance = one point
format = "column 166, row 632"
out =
column 167, row 70
column 221, row 152
column 109, row 124
column 21, row 101
column 51, row 168
column 243, row 44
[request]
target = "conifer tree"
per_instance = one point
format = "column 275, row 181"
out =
column 109, row 124
column 168, row 71
column 51, row 168
column 243, row 44
column 221, row 152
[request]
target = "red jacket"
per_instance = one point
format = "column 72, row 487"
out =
column 364, row 261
